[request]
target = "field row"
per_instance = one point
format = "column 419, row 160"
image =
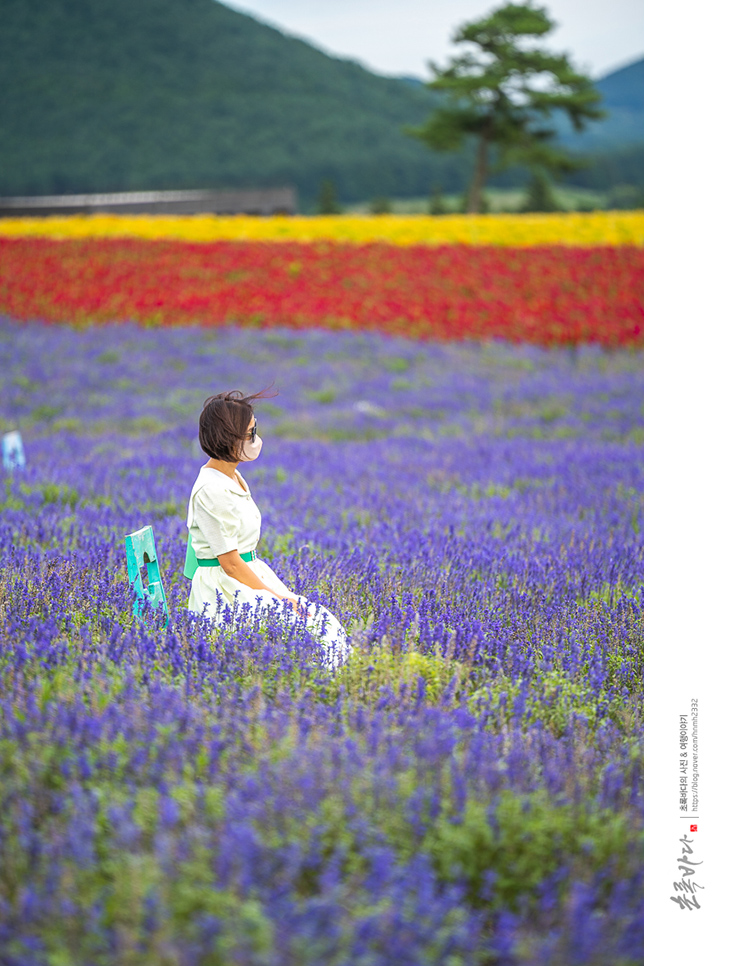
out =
column 581, row 229
column 546, row 295
column 466, row 791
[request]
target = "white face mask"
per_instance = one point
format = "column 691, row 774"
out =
column 250, row 451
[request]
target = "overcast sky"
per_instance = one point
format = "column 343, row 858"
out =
column 400, row 36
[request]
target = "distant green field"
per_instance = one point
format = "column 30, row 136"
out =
column 512, row 199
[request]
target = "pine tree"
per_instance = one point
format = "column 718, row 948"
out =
column 436, row 204
column 505, row 94
column 482, row 204
column 540, row 195
column 328, row 204
column 380, row 206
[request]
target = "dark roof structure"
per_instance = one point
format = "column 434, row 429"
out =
column 261, row 201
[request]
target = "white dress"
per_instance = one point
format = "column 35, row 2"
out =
column 222, row 516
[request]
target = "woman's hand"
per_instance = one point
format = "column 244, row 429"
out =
column 234, row 567
column 298, row 607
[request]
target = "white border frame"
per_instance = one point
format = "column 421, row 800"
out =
column 687, row 519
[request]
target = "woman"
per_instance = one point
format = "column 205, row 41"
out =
column 224, row 526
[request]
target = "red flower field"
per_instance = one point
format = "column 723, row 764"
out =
column 545, row 295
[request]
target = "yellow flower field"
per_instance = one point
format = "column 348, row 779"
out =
column 577, row 229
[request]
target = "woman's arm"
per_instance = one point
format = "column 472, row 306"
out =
column 236, row 568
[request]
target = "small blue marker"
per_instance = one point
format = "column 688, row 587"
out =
column 13, row 452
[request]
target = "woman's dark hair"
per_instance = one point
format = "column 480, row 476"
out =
column 223, row 424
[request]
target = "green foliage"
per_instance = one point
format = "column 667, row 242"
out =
column 127, row 880
column 482, row 203
column 370, row 669
column 40, row 494
column 506, row 94
column 396, row 364
column 45, row 413
column 521, row 840
column 551, row 697
column 626, row 196
column 436, row 205
column 380, row 206
column 514, row 839
column 540, row 195
column 109, row 357
column 328, row 204
column 322, row 395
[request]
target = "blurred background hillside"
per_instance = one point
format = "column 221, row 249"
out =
column 100, row 95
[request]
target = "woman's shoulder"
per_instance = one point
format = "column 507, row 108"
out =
column 211, row 483
column 216, row 495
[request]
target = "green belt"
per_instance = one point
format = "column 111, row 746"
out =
column 192, row 562
column 213, row 561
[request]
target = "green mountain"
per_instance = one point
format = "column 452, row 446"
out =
column 614, row 146
column 109, row 95
column 114, row 95
column 624, row 88
column 623, row 100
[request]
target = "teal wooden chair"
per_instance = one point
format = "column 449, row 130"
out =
column 141, row 557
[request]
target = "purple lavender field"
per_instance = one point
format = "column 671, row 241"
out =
column 466, row 791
